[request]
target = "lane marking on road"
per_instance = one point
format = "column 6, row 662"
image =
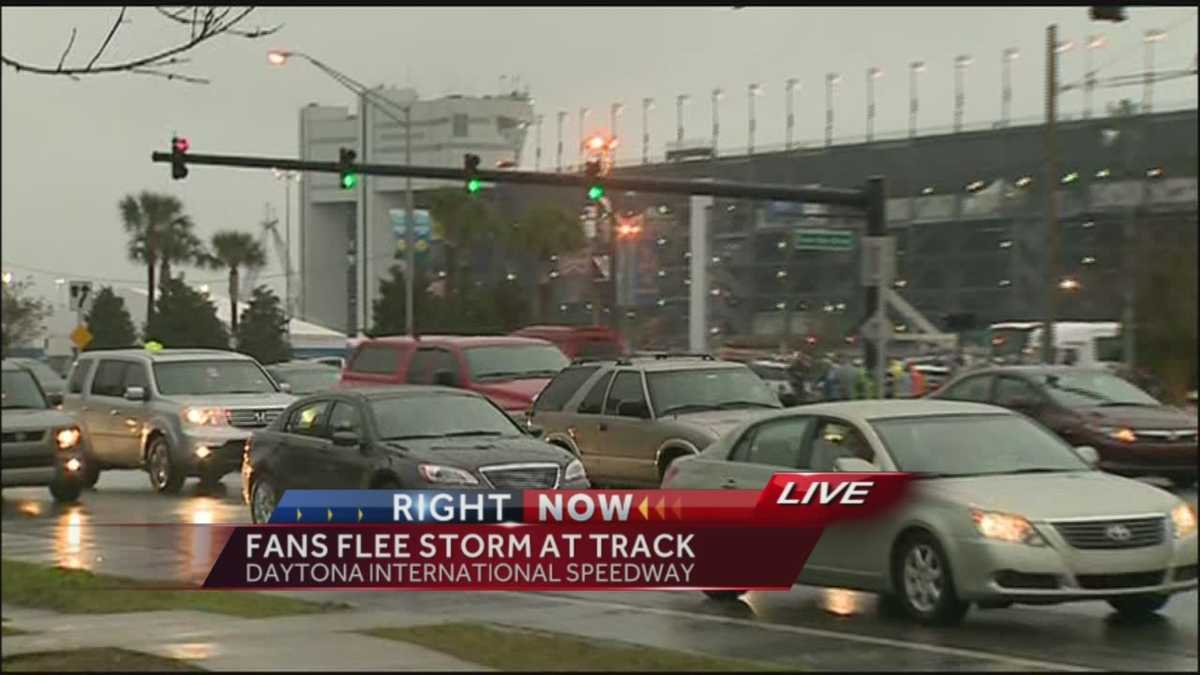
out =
column 835, row 635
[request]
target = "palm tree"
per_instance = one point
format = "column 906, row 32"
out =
column 544, row 232
column 147, row 219
column 234, row 250
column 462, row 221
column 178, row 244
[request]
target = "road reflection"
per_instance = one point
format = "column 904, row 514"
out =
column 68, row 539
column 841, row 602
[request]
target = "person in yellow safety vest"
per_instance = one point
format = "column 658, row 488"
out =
column 864, row 383
column 902, row 382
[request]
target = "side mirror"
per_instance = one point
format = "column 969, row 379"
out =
column 345, row 438
column 55, row 399
column 135, row 394
column 854, row 465
column 788, row 400
column 445, row 378
column 285, row 387
column 1088, row 454
column 533, row 431
column 637, row 409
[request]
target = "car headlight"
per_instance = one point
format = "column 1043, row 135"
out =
column 1006, row 527
column 1123, row 434
column 447, row 475
column 574, row 471
column 206, row 416
column 67, row 438
column 1184, row 518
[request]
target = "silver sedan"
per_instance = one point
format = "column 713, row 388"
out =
column 1003, row 511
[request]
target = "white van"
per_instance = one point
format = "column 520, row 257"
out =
column 1088, row 344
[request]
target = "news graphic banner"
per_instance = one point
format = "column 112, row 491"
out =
column 549, row 539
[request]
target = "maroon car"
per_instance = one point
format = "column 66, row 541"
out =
column 1134, row 434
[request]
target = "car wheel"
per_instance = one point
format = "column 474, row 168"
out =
column 90, row 473
column 1138, row 606
column 725, row 596
column 263, row 499
column 165, row 476
column 66, row 490
column 924, row 583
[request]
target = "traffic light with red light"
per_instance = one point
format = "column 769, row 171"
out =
column 346, row 158
column 1114, row 13
column 470, row 168
column 179, row 148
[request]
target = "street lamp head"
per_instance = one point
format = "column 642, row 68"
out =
column 278, row 57
column 832, row 78
column 648, row 103
column 618, row 108
column 1012, row 54
column 718, row 93
column 1155, row 35
column 683, row 98
column 874, row 72
column 1064, row 46
column 963, row 61
column 917, row 66
column 756, row 88
column 1096, row 42
column 792, row 83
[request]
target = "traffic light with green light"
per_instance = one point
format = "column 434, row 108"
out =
column 595, row 189
column 348, row 179
column 470, row 168
column 179, row 148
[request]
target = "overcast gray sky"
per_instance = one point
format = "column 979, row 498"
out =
column 72, row 149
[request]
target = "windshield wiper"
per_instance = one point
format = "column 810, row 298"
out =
column 759, row 404
column 249, row 391
column 675, row 409
column 1082, row 392
column 1036, row 469
column 453, row 434
column 411, row 436
column 1109, row 404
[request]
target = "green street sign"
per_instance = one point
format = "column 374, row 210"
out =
column 824, row 240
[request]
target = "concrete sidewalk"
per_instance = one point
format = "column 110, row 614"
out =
column 212, row 641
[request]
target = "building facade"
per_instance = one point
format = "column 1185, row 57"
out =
column 331, row 260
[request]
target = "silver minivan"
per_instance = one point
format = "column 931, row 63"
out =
column 174, row 412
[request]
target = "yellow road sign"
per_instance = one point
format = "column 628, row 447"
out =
column 81, row 336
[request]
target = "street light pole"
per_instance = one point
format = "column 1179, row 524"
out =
column 873, row 73
column 583, row 113
column 410, row 239
column 789, row 90
column 558, row 166
column 717, row 95
column 679, row 101
column 752, row 91
column 1089, row 81
column 363, row 193
column 613, row 113
column 960, row 97
column 914, row 68
column 831, row 79
column 1053, row 241
column 1011, row 54
column 537, row 161
column 647, row 106
column 1152, row 36
column 288, row 177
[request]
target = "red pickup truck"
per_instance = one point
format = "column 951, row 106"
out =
column 510, row 371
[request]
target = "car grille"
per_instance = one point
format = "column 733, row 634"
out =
column 1183, row 436
column 517, row 476
column 1128, row 580
column 28, row 461
column 1116, row 533
column 1011, row 579
column 36, row 436
column 253, row 418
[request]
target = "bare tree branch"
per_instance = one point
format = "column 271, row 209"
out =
column 111, row 32
column 66, row 51
column 204, row 24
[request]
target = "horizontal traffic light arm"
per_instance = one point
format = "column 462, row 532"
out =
column 838, row 196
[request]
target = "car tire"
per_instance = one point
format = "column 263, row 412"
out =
column 725, row 595
column 66, row 490
column 264, row 497
column 165, row 474
column 90, row 474
column 1138, row 606
column 924, row 583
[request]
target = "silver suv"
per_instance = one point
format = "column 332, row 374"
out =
column 175, row 412
column 628, row 419
column 41, row 445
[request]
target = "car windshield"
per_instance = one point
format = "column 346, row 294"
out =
column 974, row 445
column 440, row 416
column 514, row 362
column 1087, row 388
column 21, row 391
column 199, row 378
column 307, row 380
column 44, row 373
column 692, row 390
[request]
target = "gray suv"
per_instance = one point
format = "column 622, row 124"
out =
column 629, row 419
column 175, row 412
column 40, row 445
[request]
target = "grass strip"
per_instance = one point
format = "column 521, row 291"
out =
column 82, row 592
column 522, row 649
column 95, row 660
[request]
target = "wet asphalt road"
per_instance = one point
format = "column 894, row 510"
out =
column 849, row 626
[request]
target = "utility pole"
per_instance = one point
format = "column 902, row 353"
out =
column 1053, row 235
column 1129, row 254
column 410, row 239
column 364, row 190
column 716, row 118
column 647, row 106
column 558, row 166
column 537, row 158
